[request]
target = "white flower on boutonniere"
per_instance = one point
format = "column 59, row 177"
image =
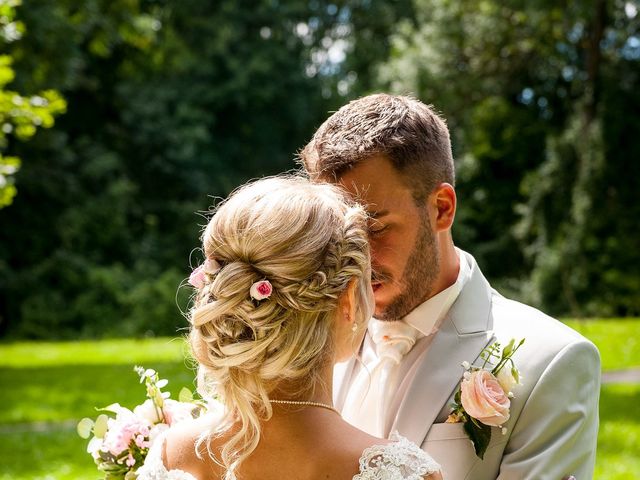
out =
column 484, row 397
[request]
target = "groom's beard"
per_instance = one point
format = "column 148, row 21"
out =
column 418, row 277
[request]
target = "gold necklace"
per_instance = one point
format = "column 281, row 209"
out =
column 308, row 403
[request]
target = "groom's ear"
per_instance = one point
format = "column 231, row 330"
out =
column 443, row 205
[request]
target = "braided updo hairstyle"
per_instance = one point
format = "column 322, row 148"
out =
column 309, row 241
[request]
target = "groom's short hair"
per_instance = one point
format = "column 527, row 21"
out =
column 404, row 130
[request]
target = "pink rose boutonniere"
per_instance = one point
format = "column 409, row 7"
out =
column 484, row 398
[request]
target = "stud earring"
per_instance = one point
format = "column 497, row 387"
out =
column 354, row 327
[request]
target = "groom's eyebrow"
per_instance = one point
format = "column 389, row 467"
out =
column 378, row 214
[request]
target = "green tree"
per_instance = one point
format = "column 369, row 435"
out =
column 532, row 92
column 169, row 104
column 20, row 116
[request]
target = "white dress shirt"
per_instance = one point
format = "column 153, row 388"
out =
column 361, row 410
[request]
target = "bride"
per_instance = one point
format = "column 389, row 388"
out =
column 283, row 295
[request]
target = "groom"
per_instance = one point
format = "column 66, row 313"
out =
column 435, row 310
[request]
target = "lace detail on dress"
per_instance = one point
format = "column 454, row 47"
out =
column 401, row 460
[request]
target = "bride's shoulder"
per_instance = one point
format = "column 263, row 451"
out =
column 173, row 455
column 182, row 448
column 399, row 459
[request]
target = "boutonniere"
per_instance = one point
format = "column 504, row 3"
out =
column 484, row 397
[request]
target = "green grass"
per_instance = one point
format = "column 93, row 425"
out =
column 618, row 456
column 101, row 352
column 56, row 453
column 47, row 387
column 45, row 381
column 617, row 339
column 52, row 394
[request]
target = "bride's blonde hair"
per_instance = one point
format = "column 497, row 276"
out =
column 309, row 241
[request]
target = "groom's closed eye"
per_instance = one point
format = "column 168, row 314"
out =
column 377, row 229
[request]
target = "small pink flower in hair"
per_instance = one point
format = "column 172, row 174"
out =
column 211, row 266
column 198, row 277
column 261, row 290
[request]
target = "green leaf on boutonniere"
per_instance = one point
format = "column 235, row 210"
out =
column 508, row 349
column 480, row 435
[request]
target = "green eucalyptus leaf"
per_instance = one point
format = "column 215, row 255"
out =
column 100, row 427
column 113, row 408
column 185, row 395
column 84, row 427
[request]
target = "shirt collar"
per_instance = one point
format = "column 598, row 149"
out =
column 428, row 316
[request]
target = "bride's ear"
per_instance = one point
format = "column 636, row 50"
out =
column 348, row 333
column 347, row 304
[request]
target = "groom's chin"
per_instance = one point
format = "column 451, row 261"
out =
column 384, row 296
column 382, row 310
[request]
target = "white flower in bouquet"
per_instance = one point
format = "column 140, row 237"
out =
column 122, row 437
column 176, row 412
column 148, row 411
column 156, row 431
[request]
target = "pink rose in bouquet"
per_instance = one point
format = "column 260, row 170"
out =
column 123, row 430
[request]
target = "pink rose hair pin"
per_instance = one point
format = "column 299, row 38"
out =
column 261, row 290
column 198, row 277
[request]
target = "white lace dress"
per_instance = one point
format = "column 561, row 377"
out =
column 400, row 460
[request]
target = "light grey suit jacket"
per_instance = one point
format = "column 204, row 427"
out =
column 552, row 431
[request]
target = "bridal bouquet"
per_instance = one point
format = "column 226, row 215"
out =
column 484, row 398
column 122, row 437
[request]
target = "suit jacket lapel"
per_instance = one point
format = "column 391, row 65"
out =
column 465, row 332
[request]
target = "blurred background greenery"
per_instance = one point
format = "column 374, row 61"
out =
column 121, row 122
column 122, row 119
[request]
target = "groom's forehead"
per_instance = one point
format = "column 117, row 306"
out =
column 377, row 185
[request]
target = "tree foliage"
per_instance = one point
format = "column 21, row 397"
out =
column 20, row 116
column 539, row 96
column 170, row 106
